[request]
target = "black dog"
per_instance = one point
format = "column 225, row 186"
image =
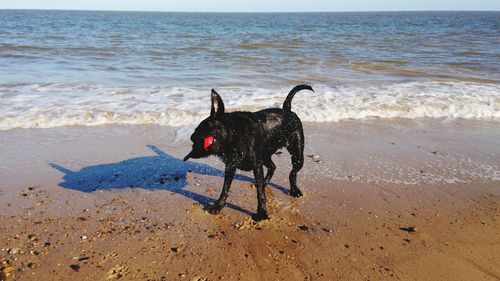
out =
column 247, row 141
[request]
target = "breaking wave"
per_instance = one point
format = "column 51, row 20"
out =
column 54, row 105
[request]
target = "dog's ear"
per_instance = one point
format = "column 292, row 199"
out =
column 217, row 105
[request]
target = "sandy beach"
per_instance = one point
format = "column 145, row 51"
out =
column 387, row 200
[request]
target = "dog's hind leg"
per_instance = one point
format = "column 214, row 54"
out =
column 270, row 170
column 261, row 194
column 296, row 148
column 219, row 204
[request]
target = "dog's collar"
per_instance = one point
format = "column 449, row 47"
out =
column 208, row 141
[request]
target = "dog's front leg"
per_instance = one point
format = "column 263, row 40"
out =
column 261, row 194
column 228, row 179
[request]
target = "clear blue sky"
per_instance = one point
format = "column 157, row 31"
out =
column 254, row 6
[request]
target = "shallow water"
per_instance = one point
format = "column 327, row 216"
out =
column 397, row 151
column 62, row 68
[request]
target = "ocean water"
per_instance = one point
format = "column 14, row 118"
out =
column 60, row 68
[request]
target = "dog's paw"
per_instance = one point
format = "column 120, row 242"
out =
column 296, row 193
column 213, row 209
column 260, row 216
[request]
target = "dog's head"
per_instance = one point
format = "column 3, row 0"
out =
column 209, row 136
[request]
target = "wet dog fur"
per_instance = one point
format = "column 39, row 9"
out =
column 247, row 141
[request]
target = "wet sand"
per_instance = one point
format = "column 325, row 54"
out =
column 388, row 200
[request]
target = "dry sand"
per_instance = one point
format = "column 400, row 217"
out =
column 391, row 200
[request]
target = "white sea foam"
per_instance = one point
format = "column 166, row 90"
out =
column 53, row 105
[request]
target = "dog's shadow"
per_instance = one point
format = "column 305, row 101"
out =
column 158, row 172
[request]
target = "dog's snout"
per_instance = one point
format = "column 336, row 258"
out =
column 189, row 155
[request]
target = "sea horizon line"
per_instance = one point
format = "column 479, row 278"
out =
column 250, row 12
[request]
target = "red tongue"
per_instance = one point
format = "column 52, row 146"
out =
column 207, row 142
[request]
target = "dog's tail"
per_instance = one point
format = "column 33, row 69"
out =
column 287, row 105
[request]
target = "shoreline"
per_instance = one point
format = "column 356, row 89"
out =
column 398, row 151
column 110, row 206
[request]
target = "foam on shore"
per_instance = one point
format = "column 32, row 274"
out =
column 55, row 105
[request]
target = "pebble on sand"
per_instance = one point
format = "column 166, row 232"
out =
column 117, row 272
column 8, row 270
column 315, row 157
column 303, row 227
column 327, row 230
column 409, row 229
column 178, row 249
column 13, row 251
column 81, row 258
